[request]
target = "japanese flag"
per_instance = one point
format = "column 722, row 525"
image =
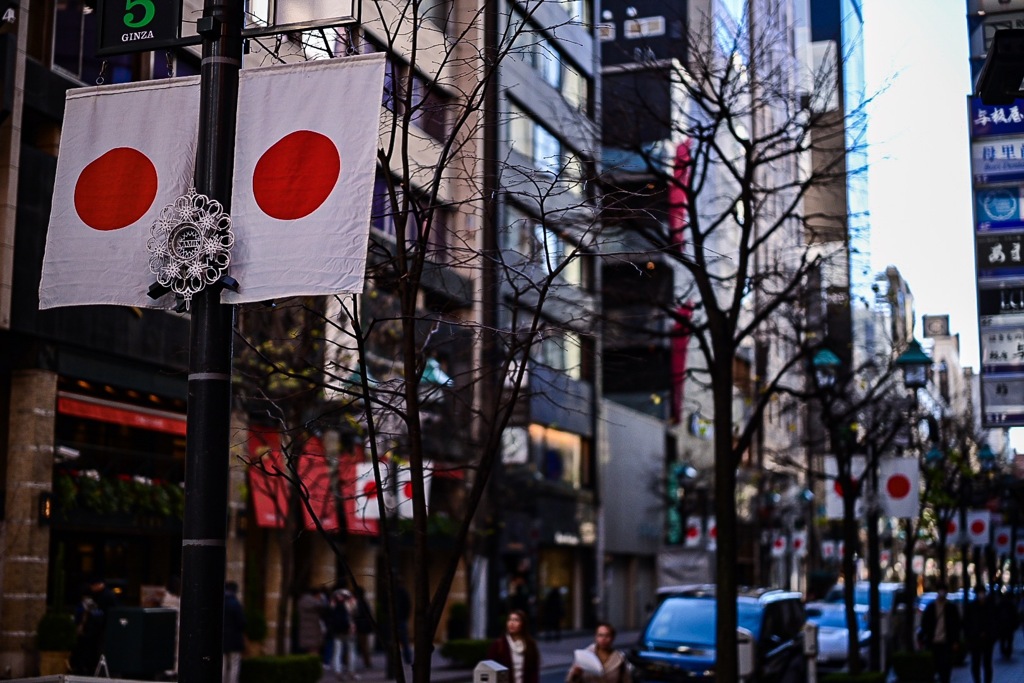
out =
column 712, row 534
column 828, row 550
column 694, row 533
column 404, row 488
column 779, row 545
column 979, row 526
column 953, row 530
column 800, row 543
column 1019, row 552
column 1002, row 539
column 833, row 489
column 125, row 152
column 366, row 491
column 884, row 557
column 305, row 158
column 898, row 486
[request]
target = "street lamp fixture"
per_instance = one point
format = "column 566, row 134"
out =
column 986, row 458
column 826, row 368
column 915, row 364
column 934, row 457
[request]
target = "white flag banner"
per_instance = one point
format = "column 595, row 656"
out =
column 126, row 151
column 712, row 533
column 779, row 545
column 799, row 543
column 828, row 550
column 898, row 486
column 305, row 159
column 979, row 526
column 833, row 491
column 366, row 491
column 404, row 488
column 953, row 529
column 1002, row 539
column 694, row 533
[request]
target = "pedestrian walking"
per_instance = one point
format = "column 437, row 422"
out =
column 941, row 631
column 610, row 665
column 91, row 626
column 1007, row 609
column 981, row 628
column 364, row 626
column 342, row 630
column 310, row 611
column 516, row 650
column 234, row 633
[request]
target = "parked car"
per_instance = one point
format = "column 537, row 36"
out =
column 833, row 638
column 678, row 641
column 892, row 608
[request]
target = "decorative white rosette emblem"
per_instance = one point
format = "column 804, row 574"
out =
column 190, row 244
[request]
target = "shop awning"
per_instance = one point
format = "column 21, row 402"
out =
column 122, row 414
column 271, row 490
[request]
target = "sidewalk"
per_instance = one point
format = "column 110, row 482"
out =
column 554, row 656
column 1003, row 670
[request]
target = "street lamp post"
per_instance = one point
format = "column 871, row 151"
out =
column 914, row 363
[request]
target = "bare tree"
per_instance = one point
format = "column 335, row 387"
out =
column 729, row 193
column 437, row 351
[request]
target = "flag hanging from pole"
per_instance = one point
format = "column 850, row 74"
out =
column 834, row 490
column 898, row 486
column 126, row 151
column 979, row 527
column 303, row 177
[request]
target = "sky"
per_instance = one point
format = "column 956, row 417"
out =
column 919, row 181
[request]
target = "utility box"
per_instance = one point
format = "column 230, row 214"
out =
column 489, row 671
column 139, row 641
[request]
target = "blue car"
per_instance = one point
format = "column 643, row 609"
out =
column 678, row 642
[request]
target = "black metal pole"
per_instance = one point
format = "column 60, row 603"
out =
column 203, row 552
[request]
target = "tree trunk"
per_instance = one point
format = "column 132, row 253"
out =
column 725, row 515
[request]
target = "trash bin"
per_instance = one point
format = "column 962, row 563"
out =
column 139, row 641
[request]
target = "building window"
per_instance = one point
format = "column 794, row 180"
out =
column 561, row 350
column 533, row 240
column 558, row 455
column 74, row 47
column 551, row 65
column 545, row 151
column 382, row 217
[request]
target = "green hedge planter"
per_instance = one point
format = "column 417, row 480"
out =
column 913, row 667
column 465, row 653
column 55, row 632
column 283, row 669
column 863, row 677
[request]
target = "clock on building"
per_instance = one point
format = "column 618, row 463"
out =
column 936, row 326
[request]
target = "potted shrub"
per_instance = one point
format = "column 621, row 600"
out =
column 55, row 637
column 913, row 667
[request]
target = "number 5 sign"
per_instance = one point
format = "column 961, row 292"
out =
column 138, row 25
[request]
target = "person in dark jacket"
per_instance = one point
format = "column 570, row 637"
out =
column 941, row 630
column 234, row 633
column 1008, row 622
column 981, row 625
column 516, row 650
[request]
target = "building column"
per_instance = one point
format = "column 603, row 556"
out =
column 24, row 543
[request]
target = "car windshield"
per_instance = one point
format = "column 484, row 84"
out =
column 834, row 617
column 885, row 598
column 692, row 621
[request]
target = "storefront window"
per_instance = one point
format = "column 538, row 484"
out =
column 558, row 454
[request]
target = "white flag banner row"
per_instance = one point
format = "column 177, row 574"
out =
column 305, row 158
column 696, row 537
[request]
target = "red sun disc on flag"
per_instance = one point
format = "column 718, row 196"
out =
column 296, row 175
column 370, row 489
column 898, row 486
column 797, row 543
column 713, row 533
column 951, row 527
column 779, row 543
column 115, row 189
column 977, row 527
column 1003, row 539
column 407, row 490
column 692, row 532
